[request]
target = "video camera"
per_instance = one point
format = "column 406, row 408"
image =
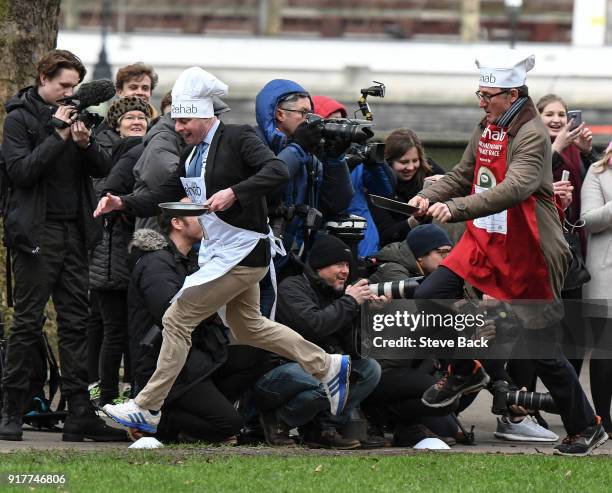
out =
column 89, row 94
column 343, row 128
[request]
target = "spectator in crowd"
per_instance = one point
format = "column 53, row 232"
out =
column 323, row 308
column 108, row 270
column 230, row 171
column 572, row 152
column 200, row 403
column 597, row 215
column 50, row 159
column 137, row 79
column 405, row 154
column 366, row 177
column 503, row 187
column 163, row 147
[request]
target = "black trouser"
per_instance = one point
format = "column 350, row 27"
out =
column 556, row 374
column 206, row 411
column 397, row 397
column 60, row 271
column 95, row 336
column 113, row 309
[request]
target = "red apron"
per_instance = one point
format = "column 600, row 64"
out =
column 501, row 254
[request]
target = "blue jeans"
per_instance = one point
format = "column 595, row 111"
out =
column 298, row 398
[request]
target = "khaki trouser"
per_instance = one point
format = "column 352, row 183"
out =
column 239, row 291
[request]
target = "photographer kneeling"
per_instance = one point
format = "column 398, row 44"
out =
column 396, row 400
column 322, row 308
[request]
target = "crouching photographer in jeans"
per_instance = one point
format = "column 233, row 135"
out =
column 321, row 307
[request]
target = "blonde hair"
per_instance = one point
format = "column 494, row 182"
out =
column 602, row 164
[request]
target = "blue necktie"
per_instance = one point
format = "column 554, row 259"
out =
column 195, row 165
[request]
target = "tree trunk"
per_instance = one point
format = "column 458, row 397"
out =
column 28, row 29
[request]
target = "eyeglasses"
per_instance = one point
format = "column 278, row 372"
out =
column 487, row 97
column 442, row 252
column 303, row 113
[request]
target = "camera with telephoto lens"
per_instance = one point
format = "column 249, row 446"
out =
column 396, row 289
column 282, row 215
column 343, row 128
column 368, row 154
column 504, row 396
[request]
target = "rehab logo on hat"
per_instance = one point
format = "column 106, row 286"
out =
column 504, row 68
column 192, row 94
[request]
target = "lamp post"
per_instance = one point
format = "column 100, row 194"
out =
column 513, row 7
column 102, row 69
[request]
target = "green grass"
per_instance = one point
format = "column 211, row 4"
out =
column 188, row 470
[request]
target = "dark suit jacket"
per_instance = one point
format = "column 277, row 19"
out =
column 239, row 160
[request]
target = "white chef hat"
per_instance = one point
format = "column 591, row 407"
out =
column 504, row 68
column 192, row 94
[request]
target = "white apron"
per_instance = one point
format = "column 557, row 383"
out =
column 224, row 246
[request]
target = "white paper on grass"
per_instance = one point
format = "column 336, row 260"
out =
column 147, row 442
column 431, row 444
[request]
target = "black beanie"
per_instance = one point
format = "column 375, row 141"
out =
column 427, row 237
column 328, row 250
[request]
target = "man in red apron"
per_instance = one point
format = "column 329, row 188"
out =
column 513, row 247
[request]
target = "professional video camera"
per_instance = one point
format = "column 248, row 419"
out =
column 504, row 396
column 343, row 128
column 89, row 94
column 369, row 154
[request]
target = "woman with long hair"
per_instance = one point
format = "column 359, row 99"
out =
column 405, row 154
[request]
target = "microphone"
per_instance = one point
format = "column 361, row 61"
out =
column 90, row 94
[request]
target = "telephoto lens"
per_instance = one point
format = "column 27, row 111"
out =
column 537, row 401
column 396, row 289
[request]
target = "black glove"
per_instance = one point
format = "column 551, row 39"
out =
column 336, row 146
column 308, row 136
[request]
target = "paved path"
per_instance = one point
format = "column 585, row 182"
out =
column 477, row 414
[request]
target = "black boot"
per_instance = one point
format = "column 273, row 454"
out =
column 82, row 423
column 12, row 416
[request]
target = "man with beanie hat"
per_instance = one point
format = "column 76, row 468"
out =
column 430, row 244
column 320, row 306
column 513, row 247
column 230, row 171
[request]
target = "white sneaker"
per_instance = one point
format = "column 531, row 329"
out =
column 336, row 382
column 132, row 415
column 527, row 430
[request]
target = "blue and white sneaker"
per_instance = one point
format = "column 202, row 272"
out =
column 132, row 415
column 336, row 382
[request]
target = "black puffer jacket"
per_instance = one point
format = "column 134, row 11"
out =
column 159, row 270
column 318, row 312
column 108, row 267
column 33, row 150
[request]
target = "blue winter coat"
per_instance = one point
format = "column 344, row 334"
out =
column 379, row 180
column 333, row 189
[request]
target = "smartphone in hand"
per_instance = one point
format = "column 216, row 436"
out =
column 575, row 117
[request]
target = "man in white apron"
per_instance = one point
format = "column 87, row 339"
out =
column 231, row 171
